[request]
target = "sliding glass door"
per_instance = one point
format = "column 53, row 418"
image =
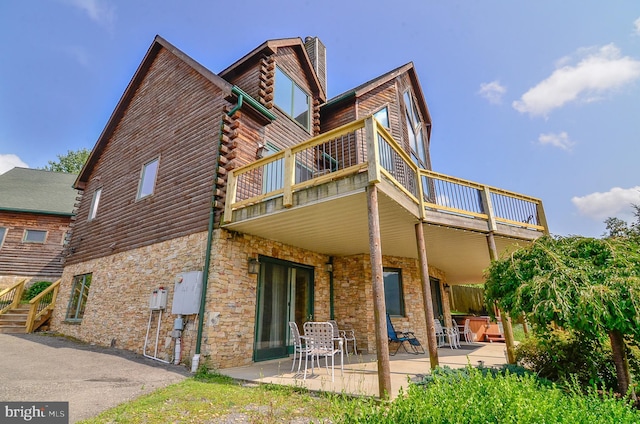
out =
column 285, row 293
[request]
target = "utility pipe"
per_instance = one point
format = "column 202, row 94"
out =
column 195, row 362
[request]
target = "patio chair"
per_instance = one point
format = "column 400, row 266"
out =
column 300, row 345
column 401, row 338
column 455, row 333
column 469, row 335
column 320, row 338
column 444, row 332
column 347, row 334
column 440, row 333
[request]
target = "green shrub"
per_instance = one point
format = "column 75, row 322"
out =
column 35, row 289
column 474, row 396
column 562, row 356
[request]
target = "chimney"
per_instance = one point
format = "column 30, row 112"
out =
column 318, row 54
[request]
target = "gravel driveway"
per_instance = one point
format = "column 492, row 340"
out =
column 44, row 368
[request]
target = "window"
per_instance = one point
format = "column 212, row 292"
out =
column 414, row 128
column 3, row 232
column 383, row 117
column 148, row 179
column 34, row 236
column 292, row 99
column 393, row 296
column 78, row 300
column 94, row 204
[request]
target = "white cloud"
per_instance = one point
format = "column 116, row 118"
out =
column 614, row 203
column 597, row 72
column 560, row 140
column 636, row 25
column 98, row 10
column 492, row 91
column 8, row 162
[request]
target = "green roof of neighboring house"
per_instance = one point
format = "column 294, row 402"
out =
column 35, row 190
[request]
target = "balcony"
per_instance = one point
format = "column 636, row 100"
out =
column 313, row 196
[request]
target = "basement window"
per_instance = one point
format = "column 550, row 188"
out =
column 78, row 300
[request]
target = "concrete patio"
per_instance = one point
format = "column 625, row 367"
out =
column 360, row 371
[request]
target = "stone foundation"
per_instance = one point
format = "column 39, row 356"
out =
column 117, row 310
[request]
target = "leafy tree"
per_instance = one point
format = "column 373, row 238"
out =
column 588, row 285
column 616, row 227
column 71, row 163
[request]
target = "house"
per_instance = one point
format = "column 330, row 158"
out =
column 36, row 208
column 250, row 190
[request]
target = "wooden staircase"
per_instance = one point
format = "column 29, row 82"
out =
column 20, row 318
column 14, row 321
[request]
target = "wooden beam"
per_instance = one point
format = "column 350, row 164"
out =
column 426, row 297
column 379, row 307
column 504, row 317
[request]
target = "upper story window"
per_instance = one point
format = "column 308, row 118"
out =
column 148, row 179
column 3, row 232
column 34, row 236
column 393, row 295
column 94, row 204
column 292, row 99
column 383, row 117
column 416, row 131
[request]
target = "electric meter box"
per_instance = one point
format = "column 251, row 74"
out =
column 187, row 292
column 158, row 299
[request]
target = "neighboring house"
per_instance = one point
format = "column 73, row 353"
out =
column 291, row 206
column 36, row 208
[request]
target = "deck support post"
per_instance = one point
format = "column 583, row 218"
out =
column 504, row 317
column 426, row 297
column 379, row 307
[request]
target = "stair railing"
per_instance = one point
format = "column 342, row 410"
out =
column 10, row 297
column 42, row 305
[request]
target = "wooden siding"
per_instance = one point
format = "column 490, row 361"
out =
column 32, row 259
column 174, row 116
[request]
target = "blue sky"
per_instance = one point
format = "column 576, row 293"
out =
column 539, row 97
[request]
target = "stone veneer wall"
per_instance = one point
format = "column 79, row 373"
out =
column 353, row 297
column 117, row 310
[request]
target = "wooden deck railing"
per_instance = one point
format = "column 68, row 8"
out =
column 42, row 306
column 366, row 145
column 10, row 297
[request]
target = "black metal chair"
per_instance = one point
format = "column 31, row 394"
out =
column 401, row 338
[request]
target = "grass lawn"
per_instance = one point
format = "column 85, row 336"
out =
column 448, row 396
column 211, row 398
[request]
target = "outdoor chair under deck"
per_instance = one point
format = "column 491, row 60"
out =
column 300, row 345
column 401, row 338
column 469, row 337
column 444, row 332
column 348, row 335
column 319, row 335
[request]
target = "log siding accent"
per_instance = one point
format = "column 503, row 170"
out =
column 36, row 260
column 174, row 115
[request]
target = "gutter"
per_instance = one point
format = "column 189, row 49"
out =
column 36, row 211
column 242, row 96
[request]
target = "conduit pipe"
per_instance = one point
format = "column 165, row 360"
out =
column 195, row 362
